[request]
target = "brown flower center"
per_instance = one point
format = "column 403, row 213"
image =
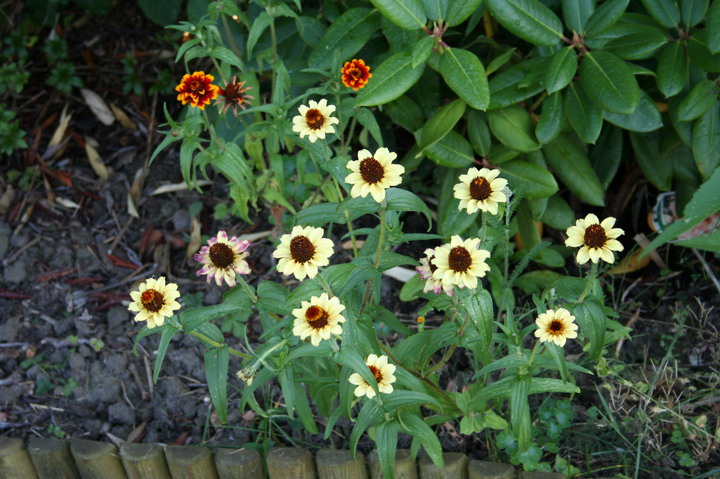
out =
column 377, row 374
column 459, row 259
column 432, row 266
column 221, row 255
column 556, row 327
column 152, row 300
column 371, row 170
column 595, row 236
column 315, row 119
column 301, row 249
column 316, row 317
column 480, row 189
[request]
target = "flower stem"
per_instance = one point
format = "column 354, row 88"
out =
column 376, row 263
column 215, row 344
column 253, row 297
column 588, row 285
column 534, row 352
column 325, row 285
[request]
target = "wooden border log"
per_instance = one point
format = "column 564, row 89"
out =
column 144, row 460
column 339, row 464
column 290, row 463
column 405, row 467
column 52, row 458
column 455, row 467
column 97, row 460
column 15, row 462
column 490, row 470
column 541, row 475
column 190, row 462
column 235, row 463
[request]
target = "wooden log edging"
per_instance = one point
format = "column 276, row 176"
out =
column 80, row 458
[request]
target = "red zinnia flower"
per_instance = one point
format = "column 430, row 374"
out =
column 233, row 95
column 197, row 89
column 355, row 74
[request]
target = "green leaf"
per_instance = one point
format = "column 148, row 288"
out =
column 700, row 53
column 405, row 113
column 386, row 437
column 571, row 165
column 366, row 118
column 665, row 12
column 435, row 9
column 479, row 133
column 582, row 114
column 605, row 16
column 707, row 242
column 656, row 167
column 551, row 385
column 465, row 75
column 347, row 34
column 422, row 50
column 591, row 319
column 638, row 45
column 453, row 151
column 700, row 99
column 608, row 82
column 672, row 69
column 415, row 426
column 528, row 19
column 499, row 61
column 706, row 141
column 459, row 10
column 392, row 78
column 646, row 116
column 399, row 199
column 407, row 14
column 450, row 220
column 441, row 123
column 509, row 88
column 693, row 11
column 552, row 119
column 532, row 180
column 259, row 25
column 400, row 398
column 712, row 22
column 514, row 128
column 162, row 12
column 520, row 412
column 561, row 70
column 605, row 156
column 216, row 374
column 576, row 13
column 165, row 339
column 558, row 214
column 369, row 413
column 351, row 358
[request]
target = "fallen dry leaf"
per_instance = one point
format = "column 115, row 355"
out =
column 95, row 161
column 66, row 203
column 123, row 118
column 173, row 187
column 131, row 208
column 195, row 240
column 61, row 129
column 98, row 106
column 7, row 198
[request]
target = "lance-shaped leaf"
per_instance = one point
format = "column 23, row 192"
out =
column 465, row 75
column 609, row 82
column 407, row 14
column 392, row 78
column 347, row 35
column 528, row 19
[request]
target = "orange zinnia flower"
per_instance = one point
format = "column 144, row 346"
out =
column 355, row 74
column 197, row 89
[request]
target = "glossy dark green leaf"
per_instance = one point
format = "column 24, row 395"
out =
column 552, row 119
column 672, row 69
column 638, row 45
column 406, row 113
column 386, row 437
column 576, row 13
column 582, row 114
column 479, row 133
column 646, row 116
column 465, row 75
column 656, row 167
column 532, row 180
column 606, row 154
column 499, row 61
column 558, row 213
column 700, row 53
column 407, row 14
column 366, row 118
column 399, row 39
column 391, row 78
column 700, row 99
column 712, row 22
column 422, row 50
column 162, row 12
column 665, row 12
column 416, row 427
column 505, row 89
column 605, row 16
column 346, row 36
column 706, row 141
column 459, row 10
column 608, row 82
column 693, row 11
column 571, row 164
column 452, row 151
column 561, row 70
column 436, row 9
column 682, row 128
column 399, row 199
column 513, row 127
column 528, row 19
column 259, row 25
column 369, row 413
column 216, row 373
column 441, row 123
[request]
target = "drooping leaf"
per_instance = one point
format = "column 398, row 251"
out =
column 606, row 154
column 407, row 14
column 552, row 119
column 706, row 141
column 479, row 133
column 392, row 78
column 693, row 11
column 346, row 36
column 465, row 75
column 435, row 9
column 452, row 151
column 561, row 70
column 665, row 12
column 582, row 114
column 162, row 12
column 459, row 10
column 216, row 373
column 576, row 13
column 422, row 50
column 646, row 116
column 712, row 22
column 532, row 180
column 441, row 123
column 672, row 69
column 514, row 128
column 571, row 164
column 640, row 44
column 700, row 99
column 528, row 19
column 699, row 51
column 656, row 167
column 605, row 16
column 608, row 82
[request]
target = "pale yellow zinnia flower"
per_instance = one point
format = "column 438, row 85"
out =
column 461, row 262
column 374, row 174
column 595, row 239
column 556, row 326
column 303, row 251
column 480, row 190
column 381, row 371
column 314, row 121
column 318, row 319
column 154, row 301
